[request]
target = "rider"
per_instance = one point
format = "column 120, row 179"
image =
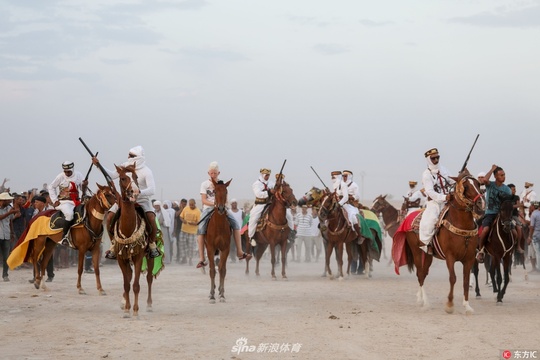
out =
column 436, row 181
column 341, row 191
column 413, row 199
column 354, row 191
column 147, row 188
column 263, row 189
column 496, row 193
column 208, row 200
column 64, row 193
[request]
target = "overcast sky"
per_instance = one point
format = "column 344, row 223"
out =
column 367, row 86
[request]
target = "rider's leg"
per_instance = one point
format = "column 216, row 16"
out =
column 154, row 252
column 481, row 241
column 238, row 241
column 110, row 254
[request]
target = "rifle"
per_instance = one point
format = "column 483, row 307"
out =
column 326, row 187
column 281, row 172
column 469, row 155
column 90, row 169
column 100, row 167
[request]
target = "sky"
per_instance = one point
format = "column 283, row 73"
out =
column 366, row 86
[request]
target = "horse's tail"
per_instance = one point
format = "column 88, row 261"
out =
column 409, row 256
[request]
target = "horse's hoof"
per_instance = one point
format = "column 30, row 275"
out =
column 82, row 292
column 449, row 309
column 149, row 309
column 127, row 315
column 274, row 278
column 284, row 277
column 36, row 285
column 102, row 292
column 212, row 301
column 340, row 278
column 469, row 312
column 222, row 300
column 478, row 297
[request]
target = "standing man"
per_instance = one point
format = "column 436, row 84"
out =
column 496, row 193
column 534, row 237
column 147, row 187
column 303, row 224
column 238, row 215
column 64, row 193
column 7, row 212
column 181, row 250
column 164, row 220
column 262, row 188
column 436, row 181
column 528, row 195
column 189, row 216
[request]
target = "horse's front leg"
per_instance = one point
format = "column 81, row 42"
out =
column 339, row 258
column 127, row 272
column 283, row 250
column 329, row 249
column 137, row 264
column 506, row 267
column 149, row 281
column 348, row 248
column 452, row 278
column 273, row 260
column 80, row 268
column 222, row 273
column 466, row 278
column 95, row 264
column 212, row 270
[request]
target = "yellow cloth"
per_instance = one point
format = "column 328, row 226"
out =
column 39, row 227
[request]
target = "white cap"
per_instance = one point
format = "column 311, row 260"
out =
column 481, row 174
column 157, row 202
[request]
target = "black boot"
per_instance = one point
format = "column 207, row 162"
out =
column 65, row 238
column 154, row 253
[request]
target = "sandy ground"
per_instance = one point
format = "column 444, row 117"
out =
column 305, row 317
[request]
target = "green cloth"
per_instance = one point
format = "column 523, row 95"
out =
column 367, row 222
column 158, row 262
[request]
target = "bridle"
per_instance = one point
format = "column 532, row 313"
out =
column 465, row 202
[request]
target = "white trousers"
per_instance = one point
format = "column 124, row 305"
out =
column 254, row 216
column 66, row 207
column 429, row 220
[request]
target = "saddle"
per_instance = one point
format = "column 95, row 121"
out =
column 114, row 220
column 58, row 220
column 263, row 219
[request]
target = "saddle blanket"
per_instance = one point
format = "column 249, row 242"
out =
column 398, row 243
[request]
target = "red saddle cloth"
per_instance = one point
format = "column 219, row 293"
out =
column 398, row 244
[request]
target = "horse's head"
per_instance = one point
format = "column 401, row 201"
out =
column 128, row 183
column 327, row 205
column 313, row 197
column 284, row 193
column 505, row 214
column 468, row 194
column 379, row 204
column 105, row 196
column 220, row 189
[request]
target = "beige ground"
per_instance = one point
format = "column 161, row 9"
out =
column 356, row 318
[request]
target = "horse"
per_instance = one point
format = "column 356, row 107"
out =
column 85, row 236
column 389, row 213
column 336, row 231
column 218, row 238
column 456, row 239
column 500, row 244
column 275, row 228
column 130, row 232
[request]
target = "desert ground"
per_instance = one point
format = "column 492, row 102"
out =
column 304, row 317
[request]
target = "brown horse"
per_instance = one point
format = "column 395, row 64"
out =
column 500, row 244
column 389, row 213
column 130, row 233
column 218, row 238
column 456, row 239
column 86, row 236
column 336, row 230
column 275, row 229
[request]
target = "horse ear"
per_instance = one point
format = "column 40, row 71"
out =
column 228, row 182
column 118, row 168
column 384, row 197
column 99, row 186
column 454, row 178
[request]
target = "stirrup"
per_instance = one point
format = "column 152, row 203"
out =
column 480, row 256
column 154, row 253
column 110, row 255
column 65, row 241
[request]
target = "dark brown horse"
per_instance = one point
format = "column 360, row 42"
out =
column 218, row 238
column 389, row 213
column 130, row 233
column 86, row 236
column 456, row 239
column 335, row 229
column 500, row 244
column 275, row 229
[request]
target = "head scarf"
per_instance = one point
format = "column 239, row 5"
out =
column 138, row 160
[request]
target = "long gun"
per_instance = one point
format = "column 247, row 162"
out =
column 326, row 187
column 279, row 178
column 110, row 182
column 469, row 155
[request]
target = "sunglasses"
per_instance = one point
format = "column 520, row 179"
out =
column 131, row 156
column 435, row 157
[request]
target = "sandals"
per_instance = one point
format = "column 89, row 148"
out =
column 480, row 257
column 245, row 256
column 201, row 264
